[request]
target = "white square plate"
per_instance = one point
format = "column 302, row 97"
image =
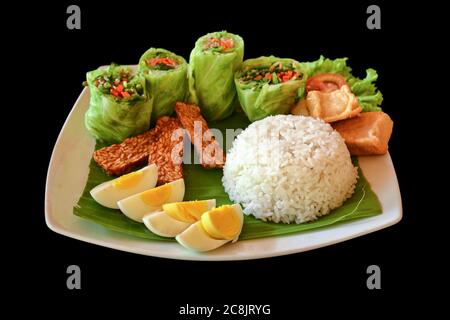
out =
column 68, row 172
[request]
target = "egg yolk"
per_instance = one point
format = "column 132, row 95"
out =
column 221, row 223
column 189, row 211
column 128, row 180
column 195, row 208
column 157, row 196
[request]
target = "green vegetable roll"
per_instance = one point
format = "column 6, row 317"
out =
column 213, row 62
column 166, row 78
column 120, row 106
column 268, row 86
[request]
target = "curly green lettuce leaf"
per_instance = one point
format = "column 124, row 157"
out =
column 259, row 100
column 369, row 98
column 323, row 65
column 166, row 85
column 211, row 76
column 111, row 119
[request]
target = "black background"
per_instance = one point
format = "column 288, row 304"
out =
column 328, row 279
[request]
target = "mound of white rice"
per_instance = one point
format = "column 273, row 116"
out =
column 289, row 168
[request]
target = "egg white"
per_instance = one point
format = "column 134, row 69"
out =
column 135, row 208
column 164, row 225
column 107, row 194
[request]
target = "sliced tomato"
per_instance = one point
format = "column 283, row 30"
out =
column 125, row 94
column 114, row 92
column 227, row 43
column 167, row 61
column 285, row 75
column 325, row 82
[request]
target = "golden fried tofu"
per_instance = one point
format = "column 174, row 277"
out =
column 367, row 134
column 330, row 106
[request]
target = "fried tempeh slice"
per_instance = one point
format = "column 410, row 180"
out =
column 118, row 159
column 210, row 153
column 166, row 150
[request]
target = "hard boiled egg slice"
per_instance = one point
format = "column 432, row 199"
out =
column 221, row 225
column 164, row 225
column 150, row 201
column 108, row 193
column 177, row 217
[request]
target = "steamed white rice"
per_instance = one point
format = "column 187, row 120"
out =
column 289, row 168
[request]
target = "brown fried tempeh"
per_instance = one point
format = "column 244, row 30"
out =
column 210, row 152
column 166, row 151
column 118, row 159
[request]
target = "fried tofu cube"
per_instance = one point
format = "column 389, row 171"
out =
column 367, row 134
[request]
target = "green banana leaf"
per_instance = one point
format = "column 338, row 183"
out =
column 207, row 184
column 211, row 76
column 110, row 119
column 166, row 86
column 259, row 101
